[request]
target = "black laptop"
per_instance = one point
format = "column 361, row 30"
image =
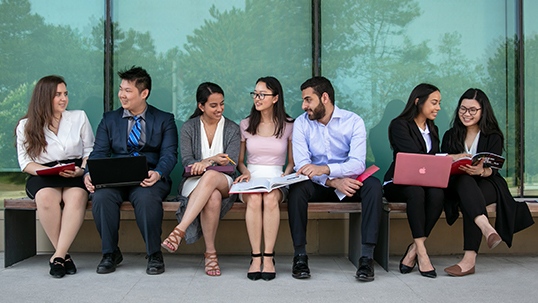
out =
column 118, row 171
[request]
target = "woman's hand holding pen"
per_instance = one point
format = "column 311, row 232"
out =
column 221, row 159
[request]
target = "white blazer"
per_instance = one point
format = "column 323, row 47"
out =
column 74, row 140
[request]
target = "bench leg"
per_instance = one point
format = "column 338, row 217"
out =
column 355, row 243
column 20, row 235
column 381, row 252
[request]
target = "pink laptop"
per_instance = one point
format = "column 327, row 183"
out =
column 422, row 170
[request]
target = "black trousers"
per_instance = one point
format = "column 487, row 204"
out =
column 370, row 195
column 147, row 203
column 424, row 205
column 474, row 194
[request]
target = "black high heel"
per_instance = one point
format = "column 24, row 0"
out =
column 427, row 274
column 268, row 276
column 254, row 275
column 404, row 269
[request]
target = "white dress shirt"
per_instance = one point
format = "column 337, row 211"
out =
column 74, row 140
column 341, row 144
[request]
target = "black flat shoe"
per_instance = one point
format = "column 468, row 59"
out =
column 427, row 274
column 69, row 265
column 109, row 262
column 155, row 263
column 57, row 268
column 300, row 268
column 254, row 275
column 268, row 276
column 404, row 269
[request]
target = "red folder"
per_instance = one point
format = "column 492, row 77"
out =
column 367, row 173
column 56, row 170
column 227, row 169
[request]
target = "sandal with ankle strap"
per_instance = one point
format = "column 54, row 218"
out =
column 268, row 276
column 175, row 237
column 212, row 265
column 254, row 275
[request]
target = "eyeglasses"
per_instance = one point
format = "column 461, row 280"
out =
column 260, row 96
column 472, row 111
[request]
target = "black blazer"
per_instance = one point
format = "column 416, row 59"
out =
column 161, row 139
column 406, row 138
column 511, row 215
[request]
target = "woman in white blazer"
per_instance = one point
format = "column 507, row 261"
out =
column 48, row 136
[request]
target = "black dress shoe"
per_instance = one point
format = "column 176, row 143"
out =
column 57, row 268
column 69, row 265
column 300, row 268
column 365, row 272
column 155, row 263
column 109, row 262
column 428, row 274
column 257, row 274
column 404, row 269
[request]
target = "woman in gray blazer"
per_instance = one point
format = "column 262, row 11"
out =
column 207, row 139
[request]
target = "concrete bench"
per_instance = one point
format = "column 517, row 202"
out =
column 20, row 225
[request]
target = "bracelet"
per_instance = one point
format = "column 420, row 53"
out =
column 483, row 172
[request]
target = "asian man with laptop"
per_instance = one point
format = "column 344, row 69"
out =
column 136, row 130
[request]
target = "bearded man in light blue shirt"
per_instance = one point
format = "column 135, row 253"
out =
column 329, row 146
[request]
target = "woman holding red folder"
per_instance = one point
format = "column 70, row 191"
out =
column 266, row 141
column 414, row 131
column 475, row 129
column 206, row 139
column 49, row 135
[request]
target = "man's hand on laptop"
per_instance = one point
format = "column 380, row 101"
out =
column 311, row 170
column 346, row 186
column 88, row 183
column 153, row 177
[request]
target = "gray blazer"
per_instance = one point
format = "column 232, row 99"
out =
column 191, row 152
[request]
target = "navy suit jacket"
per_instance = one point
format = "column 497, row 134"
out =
column 161, row 144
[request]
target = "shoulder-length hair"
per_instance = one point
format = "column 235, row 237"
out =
column 412, row 110
column 487, row 124
column 279, row 112
column 203, row 92
column 40, row 114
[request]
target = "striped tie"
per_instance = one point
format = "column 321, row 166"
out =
column 134, row 136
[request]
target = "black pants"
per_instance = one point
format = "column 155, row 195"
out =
column 147, row 203
column 370, row 195
column 424, row 205
column 474, row 194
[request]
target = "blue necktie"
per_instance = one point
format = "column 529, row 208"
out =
column 134, row 136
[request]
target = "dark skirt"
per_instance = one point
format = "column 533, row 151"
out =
column 35, row 183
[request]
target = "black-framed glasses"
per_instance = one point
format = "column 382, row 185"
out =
column 472, row 111
column 260, row 96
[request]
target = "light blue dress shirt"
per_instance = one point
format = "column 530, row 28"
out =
column 341, row 144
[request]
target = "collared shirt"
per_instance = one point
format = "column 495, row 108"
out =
column 341, row 144
column 130, row 116
column 427, row 137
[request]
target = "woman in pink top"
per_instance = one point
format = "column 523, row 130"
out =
column 266, row 138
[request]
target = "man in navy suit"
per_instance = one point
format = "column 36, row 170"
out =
column 157, row 139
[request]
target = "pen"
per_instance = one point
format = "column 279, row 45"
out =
column 231, row 160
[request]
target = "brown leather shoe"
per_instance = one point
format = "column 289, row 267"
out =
column 455, row 270
column 493, row 240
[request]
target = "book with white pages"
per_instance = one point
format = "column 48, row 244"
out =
column 265, row 185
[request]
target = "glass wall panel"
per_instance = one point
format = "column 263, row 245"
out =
column 232, row 43
column 531, row 97
column 40, row 38
column 376, row 52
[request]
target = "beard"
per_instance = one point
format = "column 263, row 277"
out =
column 318, row 112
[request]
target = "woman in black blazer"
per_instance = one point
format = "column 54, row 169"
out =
column 413, row 131
column 475, row 129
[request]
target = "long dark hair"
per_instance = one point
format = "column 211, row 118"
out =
column 487, row 124
column 412, row 110
column 279, row 112
column 203, row 92
column 40, row 114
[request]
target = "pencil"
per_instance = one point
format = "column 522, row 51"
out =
column 231, row 160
